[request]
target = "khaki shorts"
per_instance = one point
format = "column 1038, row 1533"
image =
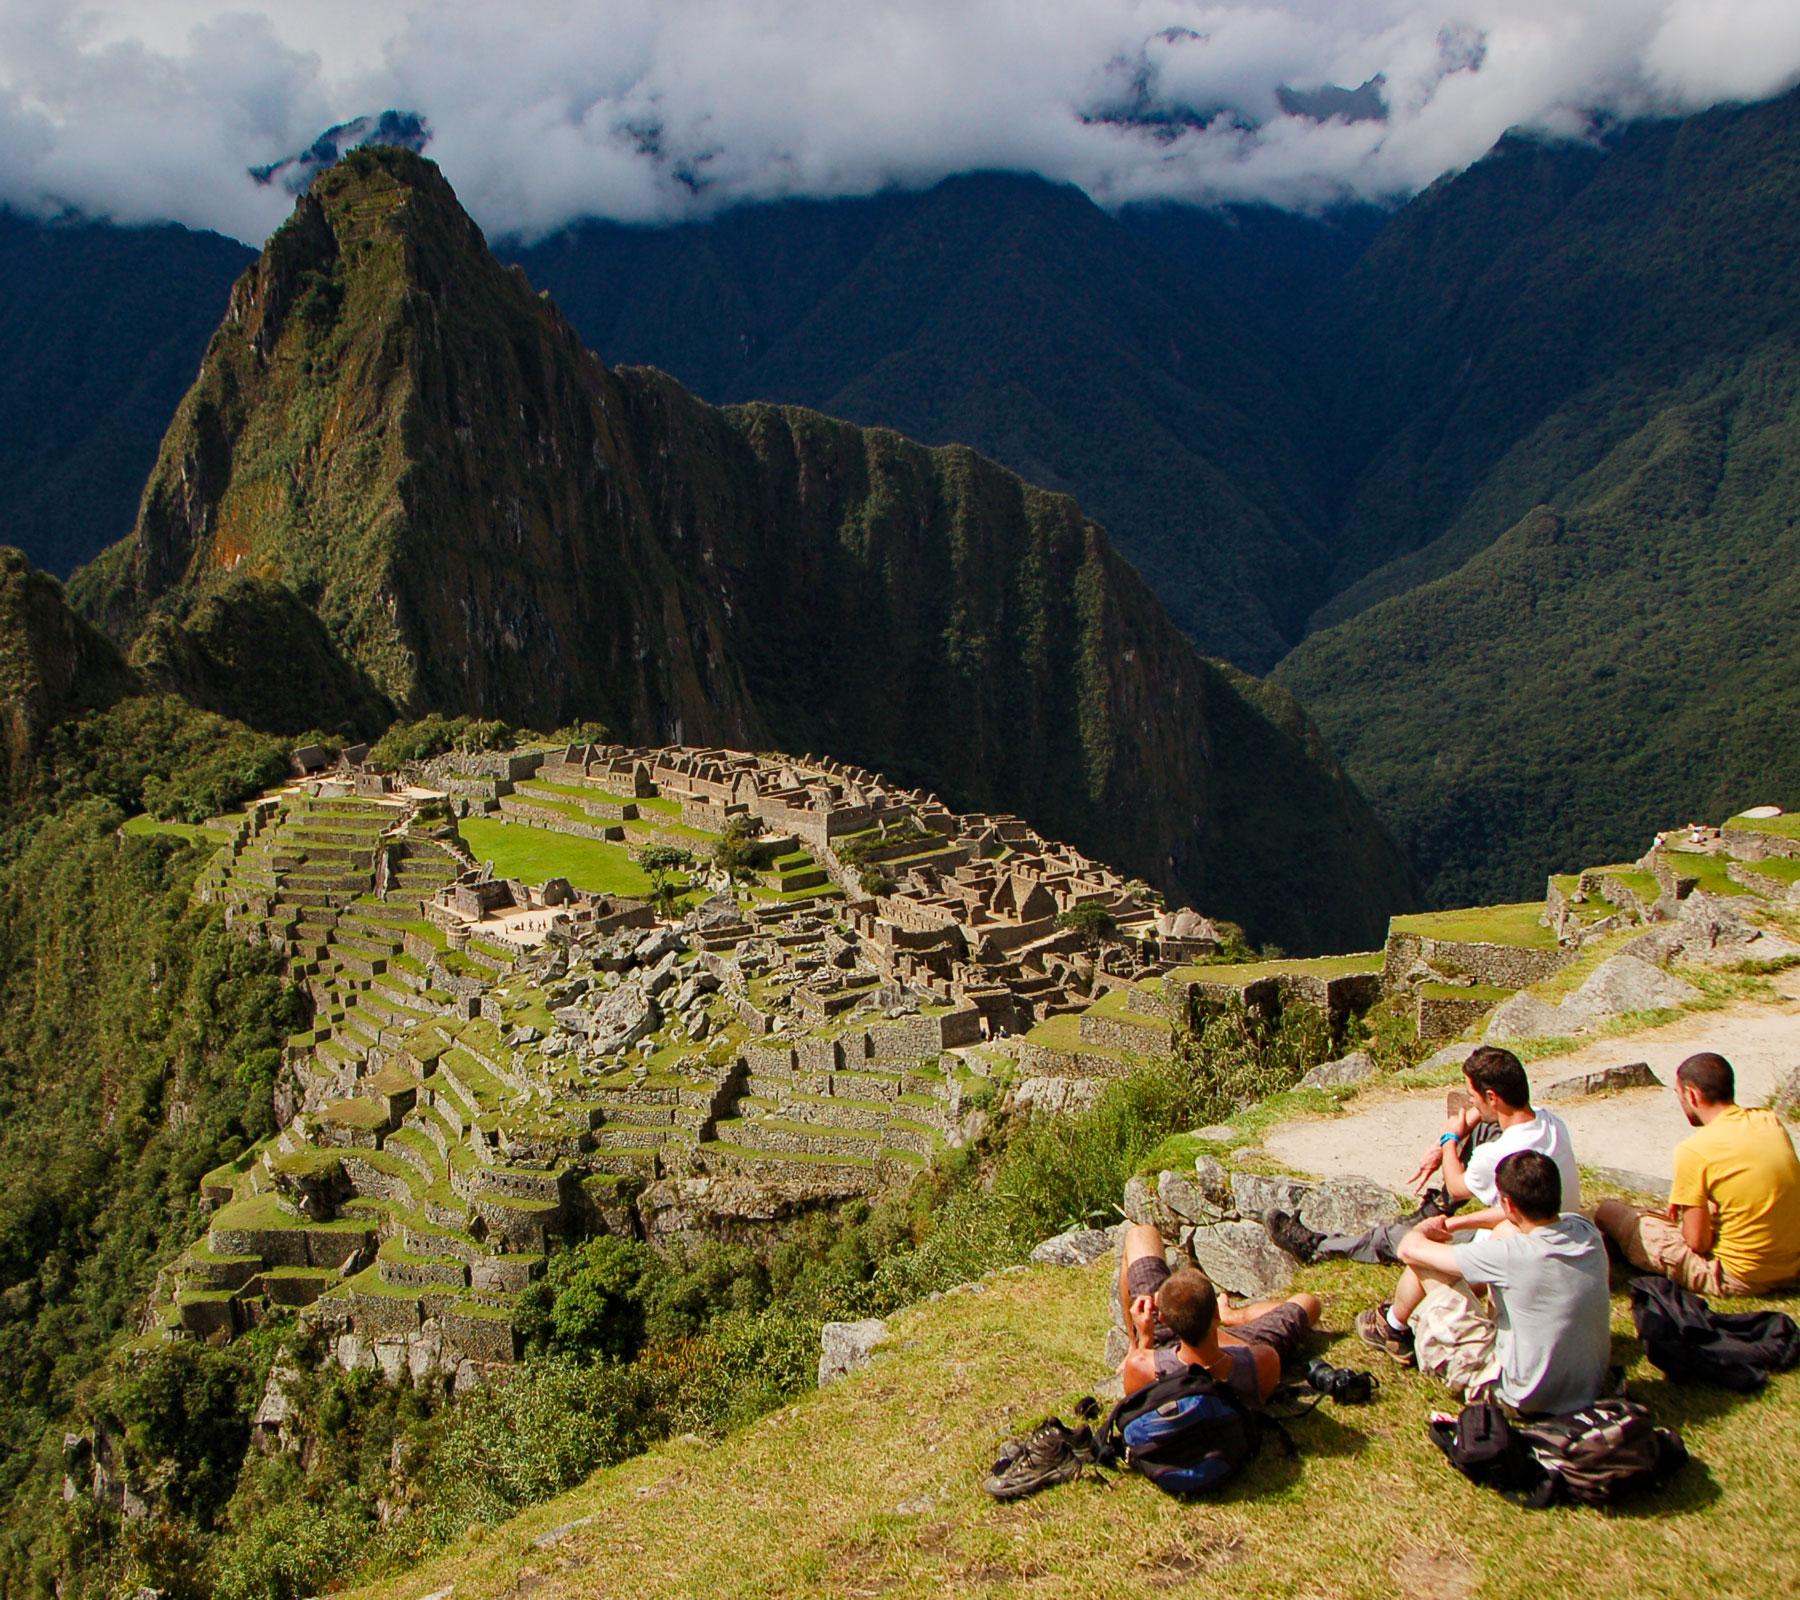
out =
column 1453, row 1339
column 1652, row 1243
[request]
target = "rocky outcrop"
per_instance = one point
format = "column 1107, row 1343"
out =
column 847, row 1347
column 1623, row 983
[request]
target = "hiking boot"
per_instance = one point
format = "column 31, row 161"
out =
column 1373, row 1329
column 1437, row 1203
column 1046, row 1456
column 1292, row 1234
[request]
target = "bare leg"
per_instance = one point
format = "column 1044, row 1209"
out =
column 1410, row 1290
column 1231, row 1314
column 1142, row 1242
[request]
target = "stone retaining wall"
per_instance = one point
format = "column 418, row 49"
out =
column 1444, row 1018
column 1500, row 966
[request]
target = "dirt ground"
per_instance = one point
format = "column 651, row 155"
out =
column 1384, row 1133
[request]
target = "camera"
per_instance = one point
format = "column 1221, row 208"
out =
column 1345, row 1385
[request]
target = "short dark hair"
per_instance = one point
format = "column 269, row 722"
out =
column 1709, row 1076
column 1496, row 1071
column 1189, row 1304
column 1533, row 1182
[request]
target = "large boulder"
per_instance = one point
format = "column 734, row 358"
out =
column 1711, row 931
column 1524, row 1016
column 1079, row 1247
column 1347, row 1205
column 1242, row 1259
column 1252, row 1194
column 1188, row 1199
column 846, row 1347
column 1632, row 1075
column 1347, row 1071
column 1628, row 983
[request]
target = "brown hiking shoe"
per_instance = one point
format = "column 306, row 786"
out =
column 1373, row 1329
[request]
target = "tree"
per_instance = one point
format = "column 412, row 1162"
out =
column 662, row 862
column 735, row 853
column 1092, row 921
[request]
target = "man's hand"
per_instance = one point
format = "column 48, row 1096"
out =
column 1421, row 1179
column 1438, row 1230
column 1143, row 1321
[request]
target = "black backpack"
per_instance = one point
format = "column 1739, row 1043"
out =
column 1604, row 1453
column 1685, row 1338
column 1188, row 1434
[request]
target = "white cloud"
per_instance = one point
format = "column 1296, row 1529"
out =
column 543, row 110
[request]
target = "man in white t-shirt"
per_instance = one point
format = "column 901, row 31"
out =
column 1541, row 1340
column 1498, row 1120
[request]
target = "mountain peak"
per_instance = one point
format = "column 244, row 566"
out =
column 393, row 433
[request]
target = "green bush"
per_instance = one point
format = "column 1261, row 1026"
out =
column 435, row 735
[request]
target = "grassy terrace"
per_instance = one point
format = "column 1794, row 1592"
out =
column 1238, row 972
column 1710, row 870
column 1064, row 1033
column 1367, row 1508
column 533, row 855
column 1782, row 827
column 196, row 834
column 1511, row 924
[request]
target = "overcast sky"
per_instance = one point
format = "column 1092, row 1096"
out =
column 544, row 110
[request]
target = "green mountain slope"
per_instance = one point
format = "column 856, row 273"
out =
column 391, row 427
column 1150, row 364
column 1515, row 323
column 1620, row 658
column 101, row 329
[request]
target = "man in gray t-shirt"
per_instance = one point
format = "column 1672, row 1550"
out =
column 1542, row 1340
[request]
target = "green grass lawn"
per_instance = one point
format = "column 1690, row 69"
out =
column 146, row 826
column 1516, row 924
column 534, row 854
column 1786, row 826
column 1709, row 869
column 872, row 1487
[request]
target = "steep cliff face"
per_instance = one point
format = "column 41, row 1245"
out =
column 52, row 666
column 391, row 426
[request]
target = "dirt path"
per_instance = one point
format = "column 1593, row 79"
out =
column 1636, row 1131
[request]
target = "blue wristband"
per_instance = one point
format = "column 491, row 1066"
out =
column 1448, row 1138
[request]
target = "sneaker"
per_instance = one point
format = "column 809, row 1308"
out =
column 1292, row 1234
column 1048, row 1455
column 1373, row 1329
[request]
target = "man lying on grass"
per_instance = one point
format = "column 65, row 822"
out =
column 1521, row 1310
column 1733, row 1222
column 1495, row 1118
column 1178, row 1318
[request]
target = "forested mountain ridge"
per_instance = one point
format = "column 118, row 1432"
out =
column 100, row 330
column 393, row 432
column 1590, row 532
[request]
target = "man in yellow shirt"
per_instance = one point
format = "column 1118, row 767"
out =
column 1733, row 1223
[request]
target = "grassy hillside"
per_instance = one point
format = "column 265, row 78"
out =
column 872, row 1486
column 1622, row 656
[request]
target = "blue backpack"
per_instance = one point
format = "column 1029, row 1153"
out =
column 1188, row 1434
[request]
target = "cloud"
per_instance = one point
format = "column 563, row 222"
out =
column 546, row 110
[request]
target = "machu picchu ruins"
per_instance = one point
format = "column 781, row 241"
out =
column 497, row 1066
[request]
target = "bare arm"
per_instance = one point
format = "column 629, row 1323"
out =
column 1138, row 1369
column 1697, row 1228
column 1431, row 1254
column 1487, row 1217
